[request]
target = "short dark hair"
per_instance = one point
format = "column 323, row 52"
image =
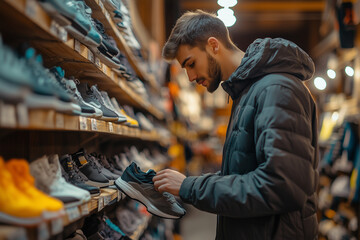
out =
column 194, row 29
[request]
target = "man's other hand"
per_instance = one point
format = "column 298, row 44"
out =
column 168, row 180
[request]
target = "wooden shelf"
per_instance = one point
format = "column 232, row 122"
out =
column 30, row 23
column 100, row 13
column 18, row 117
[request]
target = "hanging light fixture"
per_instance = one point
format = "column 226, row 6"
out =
column 227, row 16
column 349, row 71
column 331, row 73
column 227, row 3
column 320, row 83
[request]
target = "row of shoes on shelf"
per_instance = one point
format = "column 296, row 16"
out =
column 66, row 181
column 26, row 80
column 339, row 194
column 76, row 17
column 119, row 224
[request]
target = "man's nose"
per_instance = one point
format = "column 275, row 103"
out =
column 192, row 76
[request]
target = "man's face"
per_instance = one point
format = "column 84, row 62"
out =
column 200, row 66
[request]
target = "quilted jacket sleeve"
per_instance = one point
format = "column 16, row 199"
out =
column 284, row 154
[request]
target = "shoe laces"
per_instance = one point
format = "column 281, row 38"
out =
column 169, row 197
column 92, row 162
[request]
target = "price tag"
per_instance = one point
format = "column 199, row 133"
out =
column 107, row 15
column 84, row 209
column 107, row 199
column 7, row 115
column 100, row 203
column 111, row 127
column 22, row 114
column 101, row 5
column 63, row 35
column 90, row 56
column 77, row 46
column 83, row 123
column 104, row 69
column 30, row 8
column 93, row 124
column 73, row 213
column 57, row 226
column 97, row 62
column 43, row 232
column 112, row 75
column 59, row 121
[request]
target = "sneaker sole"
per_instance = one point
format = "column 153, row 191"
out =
column 31, row 221
column 97, row 184
column 107, row 61
column 12, row 93
column 136, row 195
column 36, row 101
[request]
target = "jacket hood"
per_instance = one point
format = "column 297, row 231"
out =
column 265, row 56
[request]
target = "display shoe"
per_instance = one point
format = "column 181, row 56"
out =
column 108, row 165
column 107, row 101
column 89, row 168
column 19, row 168
column 15, row 206
column 89, row 97
column 109, row 175
column 48, row 178
column 75, row 177
column 138, row 185
column 129, row 120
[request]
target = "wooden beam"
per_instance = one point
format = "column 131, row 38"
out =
column 316, row 6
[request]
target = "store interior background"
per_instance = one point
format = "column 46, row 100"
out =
column 197, row 121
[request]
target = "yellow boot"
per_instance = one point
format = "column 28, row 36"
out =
column 19, row 168
column 15, row 206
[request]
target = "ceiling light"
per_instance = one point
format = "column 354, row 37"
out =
column 320, row 83
column 349, row 71
column 227, row 16
column 227, row 3
column 331, row 74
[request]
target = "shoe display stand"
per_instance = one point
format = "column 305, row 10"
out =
column 45, row 131
column 32, row 24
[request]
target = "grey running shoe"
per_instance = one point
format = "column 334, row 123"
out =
column 138, row 185
column 107, row 173
column 110, row 106
column 90, row 97
column 108, row 165
column 89, row 168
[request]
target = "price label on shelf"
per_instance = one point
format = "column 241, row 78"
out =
column 84, row 209
column 104, row 68
column 107, row 199
column 91, row 56
column 43, row 231
column 97, row 62
column 107, row 15
column 101, row 5
column 22, row 114
column 57, row 226
column 93, row 124
column 100, row 203
column 59, row 121
column 73, row 213
column 7, row 115
column 63, row 35
column 83, row 123
column 111, row 127
column 112, row 75
column 30, row 8
column 77, row 46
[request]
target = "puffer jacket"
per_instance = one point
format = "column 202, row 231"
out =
column 267, row 185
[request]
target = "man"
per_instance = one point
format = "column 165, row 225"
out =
column 267, row 185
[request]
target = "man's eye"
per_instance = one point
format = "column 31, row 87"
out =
column 192, row 65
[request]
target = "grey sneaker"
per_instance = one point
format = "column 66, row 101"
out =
column 108, row 165
column 89, row 168
column 138, row 185
column 107, row 173
column 109, row 105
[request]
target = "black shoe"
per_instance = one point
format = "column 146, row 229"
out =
column 90, row 169
column 75, row 177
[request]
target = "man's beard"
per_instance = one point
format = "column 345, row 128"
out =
column 214, row 73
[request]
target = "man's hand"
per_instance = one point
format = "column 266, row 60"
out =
column 168, row 180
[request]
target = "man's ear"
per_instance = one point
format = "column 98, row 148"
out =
column 213, row 44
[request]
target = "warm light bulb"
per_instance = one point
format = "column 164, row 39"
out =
column 349, row 71
column 331, row 74
column 320, row 83
column 227, row 16
column 227, row 3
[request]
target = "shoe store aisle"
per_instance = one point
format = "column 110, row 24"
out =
column 197, row 225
